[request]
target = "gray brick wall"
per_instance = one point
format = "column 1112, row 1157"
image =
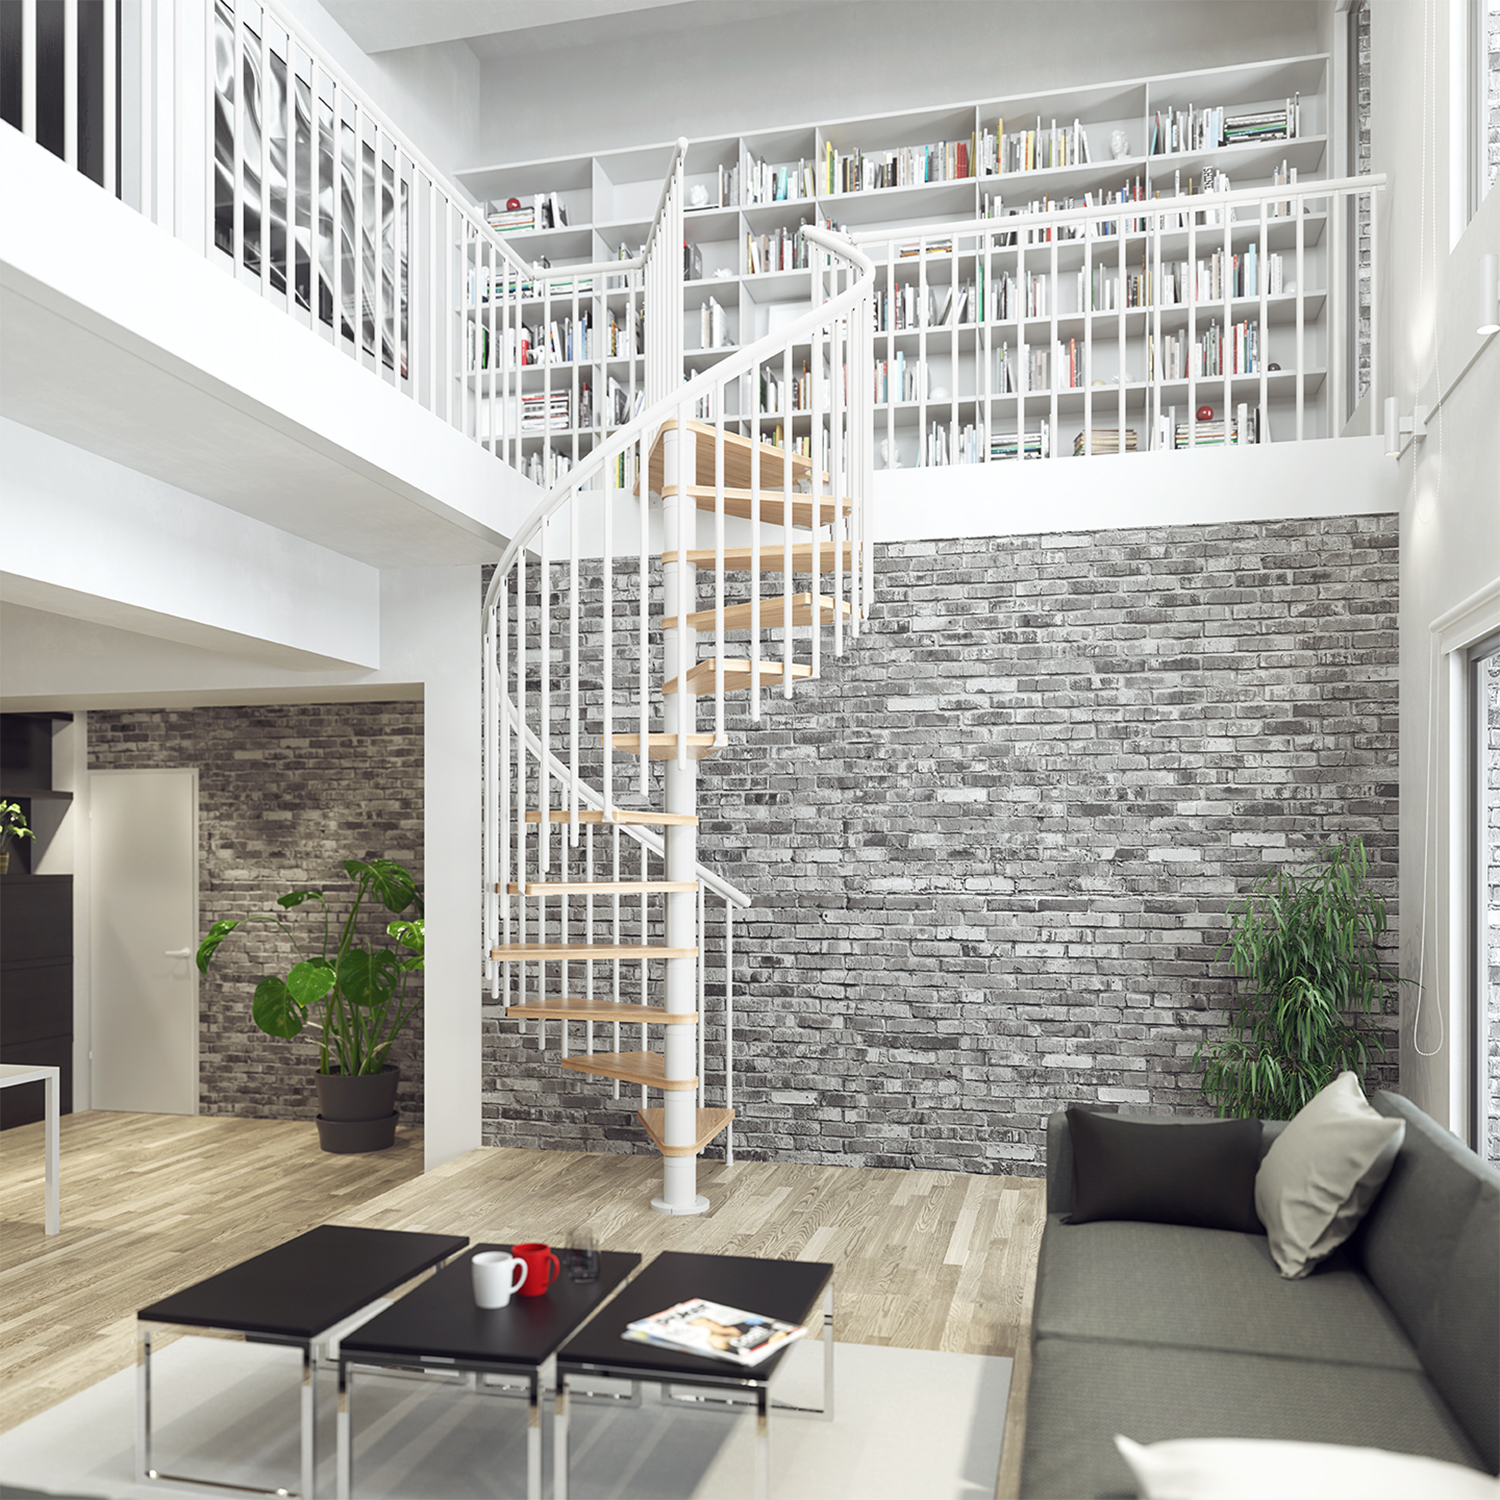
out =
column 285, row 794
column 992, row 850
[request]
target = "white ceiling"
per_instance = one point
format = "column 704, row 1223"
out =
column 385, row 25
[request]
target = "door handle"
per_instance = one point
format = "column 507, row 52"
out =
column 177, row 953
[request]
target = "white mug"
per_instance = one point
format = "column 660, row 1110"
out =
column 495, row 1281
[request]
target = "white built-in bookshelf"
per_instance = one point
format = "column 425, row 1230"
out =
column 755, row 191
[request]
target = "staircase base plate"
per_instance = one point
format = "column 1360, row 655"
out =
column 700, row 1206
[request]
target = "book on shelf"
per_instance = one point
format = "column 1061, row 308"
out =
column 780, row 184
column 906, row 166
column 539, row 211
column 782, row 249
column 620, row 406
column 942, row 446
column 713, row 328
column 543, row 412
column 724, row 193
column 714, row 1331
column 1041, row 150
column 1103, row 440
column 1192, row 129
column 1243, row 427
column 1035, row 443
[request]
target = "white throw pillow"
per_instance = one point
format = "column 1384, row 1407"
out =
column 1245, row 1469
column 1322, row 1174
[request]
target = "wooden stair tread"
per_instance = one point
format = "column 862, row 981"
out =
column 664, row 746
column 580, row 1008
column 710, row 1123
column 702, row 678
column 648, row 1068
column 737, row 449
column 771, row 558
column 772, row 613
column 622, row 815
column 599, row 887
column 803, row 510
column 509, row 952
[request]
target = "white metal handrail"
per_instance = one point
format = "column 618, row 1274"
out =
column 556, row 658
column 235, row 133
column 1018, row 257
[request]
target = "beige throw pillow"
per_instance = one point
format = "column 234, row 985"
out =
column 1322, row 1173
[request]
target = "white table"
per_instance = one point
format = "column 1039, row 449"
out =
column 13, row 1073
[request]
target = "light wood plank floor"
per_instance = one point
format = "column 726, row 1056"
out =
column 150, row 1203
column 925, row 1260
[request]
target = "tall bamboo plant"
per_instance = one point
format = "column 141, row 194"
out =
column 355, row 997
column 1304, row 950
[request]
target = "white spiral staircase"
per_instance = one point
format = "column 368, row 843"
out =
column 597, row 908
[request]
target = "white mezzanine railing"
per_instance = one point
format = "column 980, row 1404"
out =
column 574, row 657
column 225, row 124
column 1017, row 336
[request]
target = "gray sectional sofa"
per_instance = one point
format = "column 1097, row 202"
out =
column 1157, row 1331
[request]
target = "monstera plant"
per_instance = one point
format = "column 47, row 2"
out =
column 352, row 993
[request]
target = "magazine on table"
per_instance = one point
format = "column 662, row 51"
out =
column 714, row 1331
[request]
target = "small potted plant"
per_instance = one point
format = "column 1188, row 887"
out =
column 13, row 828
column 354, row 996
column 1306, row 948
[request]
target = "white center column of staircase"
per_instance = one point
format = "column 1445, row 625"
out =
column 680, row 1105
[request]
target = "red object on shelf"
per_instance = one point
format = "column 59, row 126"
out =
column 512, row 204
column 1205, row 413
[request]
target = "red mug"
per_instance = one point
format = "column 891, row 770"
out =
column 538, row 1277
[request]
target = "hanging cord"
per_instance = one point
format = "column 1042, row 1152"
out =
column 1429, row 232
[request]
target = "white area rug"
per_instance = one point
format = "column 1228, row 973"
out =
column 909, row 1425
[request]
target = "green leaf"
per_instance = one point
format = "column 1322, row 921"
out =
column 209, row 946
column 392, row 882
column 367, row 979
column 309, row 982
column 296, row 898
column 274, row 1010
column 411, row 935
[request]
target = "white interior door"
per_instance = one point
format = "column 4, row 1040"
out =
column 144, row 920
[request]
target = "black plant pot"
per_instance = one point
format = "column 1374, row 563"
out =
column 357, row 1112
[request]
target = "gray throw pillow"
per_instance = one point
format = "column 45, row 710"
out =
column 1322, row 1173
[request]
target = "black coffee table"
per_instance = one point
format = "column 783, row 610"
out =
column 437, row 1329
column 790, row 1290
column 302, row 1294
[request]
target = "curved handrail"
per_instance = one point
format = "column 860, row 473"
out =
column 737, row 364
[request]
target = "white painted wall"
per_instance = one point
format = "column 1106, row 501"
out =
column 90, row 538
column 834, row 59
column 1335, row 477
column 430, row 94
column 166, row 365
column 429, row 650
column 1450, row 506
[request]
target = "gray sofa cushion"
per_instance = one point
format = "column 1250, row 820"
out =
column 1060, row 1154
column 1431, row 1245
column 1084, row 1391
column 1207, row 1289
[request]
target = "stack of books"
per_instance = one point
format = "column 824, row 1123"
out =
column 1104, row 440
column 1216, row 433
column 543, row 413
column 511, row 220
column 539, row 211
column 1266, row 124
column 1034, row 444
